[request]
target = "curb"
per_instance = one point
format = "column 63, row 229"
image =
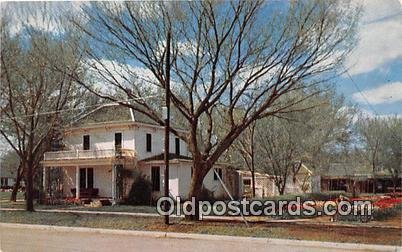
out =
column 205, row 237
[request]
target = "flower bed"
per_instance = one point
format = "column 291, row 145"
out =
column 387, row 202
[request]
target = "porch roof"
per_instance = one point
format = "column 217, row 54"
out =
column 161, row 157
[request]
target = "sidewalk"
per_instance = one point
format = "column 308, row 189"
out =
column 254, row 220
column 17, row 237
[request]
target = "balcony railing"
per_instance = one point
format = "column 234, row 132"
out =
column 88, row 154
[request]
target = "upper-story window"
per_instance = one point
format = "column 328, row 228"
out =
column 118, row 141
column 85, row 142
column 177, row 146
column 219, row 171
column 149, row 142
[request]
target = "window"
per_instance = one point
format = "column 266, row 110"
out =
column 85, row 142
column 86, row 178
column 155, row 177
column 117, row 141
column 219, row 171
column 149, row 142
column 177, row 146
column 247, row 182
column 4, row 181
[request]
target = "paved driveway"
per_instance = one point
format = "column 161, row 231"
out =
column 18, row 237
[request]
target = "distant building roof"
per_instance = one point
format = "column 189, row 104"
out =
column 350, row 170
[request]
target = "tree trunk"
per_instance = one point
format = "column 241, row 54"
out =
column 374, row 170
column 253, row 180
column 374, row 185
column 394, row 182
column 253, row 125
column 353, row 183
column 281, row 188
column 17, row 183
column 196, row 187
column 29, row 186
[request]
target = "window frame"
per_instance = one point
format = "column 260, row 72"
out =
column 177, row 146
column 86, row 142
column 121, row 140
column 219, row 171
column 148, row 142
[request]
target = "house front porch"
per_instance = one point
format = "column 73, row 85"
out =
column 86, row 174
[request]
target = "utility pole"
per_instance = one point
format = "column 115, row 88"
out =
column 167, row 120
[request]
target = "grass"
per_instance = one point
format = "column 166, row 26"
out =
column 334, row 234
column 5, row 196
column 116, row 208
column 20, row 204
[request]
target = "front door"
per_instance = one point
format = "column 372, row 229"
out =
column 156, row 176
column 86, row 178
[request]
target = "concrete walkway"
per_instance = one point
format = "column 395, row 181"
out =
column 21, row 237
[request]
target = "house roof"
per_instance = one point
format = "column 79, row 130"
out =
column 116, row 115
column 257, row 174
column 303, row 170
column 112, row 113
column 350, row 170
column 177, row 158
column 161, row 157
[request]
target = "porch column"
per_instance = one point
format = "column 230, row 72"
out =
column 44, row 182
column 77, row 182
column 113, row 184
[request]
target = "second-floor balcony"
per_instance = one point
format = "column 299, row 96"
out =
column 79, row 156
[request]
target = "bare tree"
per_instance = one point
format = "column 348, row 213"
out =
column 33, row 94
column 370, row 131
column 393, row 150
column 382, row 144
column 245, row 146
column 278, row 150
column 224, row 56
column 285, row 143
column 242, row 153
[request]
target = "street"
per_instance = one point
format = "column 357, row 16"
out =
column 18, row 237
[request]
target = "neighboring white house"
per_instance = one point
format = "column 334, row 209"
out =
column 6, row 182
column 265, row 184
column 96, row 151
column 7, row 177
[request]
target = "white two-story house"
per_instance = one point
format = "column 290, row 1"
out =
column 99, row 147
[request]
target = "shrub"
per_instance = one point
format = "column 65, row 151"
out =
column 381, row 214
column 378, row 214
column 140, row 192
column 324, row 196
column 206, row 195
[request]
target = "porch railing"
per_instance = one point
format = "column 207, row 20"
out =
column 88, row 154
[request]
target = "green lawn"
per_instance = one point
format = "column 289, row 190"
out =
column 7, row 195
column 20, row 204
